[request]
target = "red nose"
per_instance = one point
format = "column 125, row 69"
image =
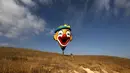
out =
column 64, row 36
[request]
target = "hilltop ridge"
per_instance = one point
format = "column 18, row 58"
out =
column 19, row 60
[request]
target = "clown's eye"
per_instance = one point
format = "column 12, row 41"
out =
column 60, row 33
column 68, row 33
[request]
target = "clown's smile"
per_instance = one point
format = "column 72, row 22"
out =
column 63, row 41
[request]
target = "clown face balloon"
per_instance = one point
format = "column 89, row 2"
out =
column 63, row 36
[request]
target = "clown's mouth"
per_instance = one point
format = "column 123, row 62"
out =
column 63, row 40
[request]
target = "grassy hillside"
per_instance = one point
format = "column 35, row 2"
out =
column 18, row 60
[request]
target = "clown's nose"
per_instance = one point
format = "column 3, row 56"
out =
column 64, row 36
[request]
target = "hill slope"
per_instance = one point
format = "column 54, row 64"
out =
column 16, row 60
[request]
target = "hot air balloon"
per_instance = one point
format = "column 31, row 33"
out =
column 63, row 36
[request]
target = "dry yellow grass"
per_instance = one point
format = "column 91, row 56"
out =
column 18, row 60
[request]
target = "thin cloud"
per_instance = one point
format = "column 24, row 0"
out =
column 75, row 16
column 52, row 32
column 117, row 4
column 103, row 4
column 49, row 31
column 28, row 2
column 123, row 4
column 99, row 8
column 46, row 2
column 7, row 45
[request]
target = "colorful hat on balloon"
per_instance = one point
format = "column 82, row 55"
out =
column 65, row 26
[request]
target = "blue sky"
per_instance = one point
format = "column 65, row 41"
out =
column 99, row 27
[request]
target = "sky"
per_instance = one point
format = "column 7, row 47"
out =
column 99, row 27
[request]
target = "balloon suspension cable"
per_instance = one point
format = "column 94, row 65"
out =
column 63, row 52
column 63, row 48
